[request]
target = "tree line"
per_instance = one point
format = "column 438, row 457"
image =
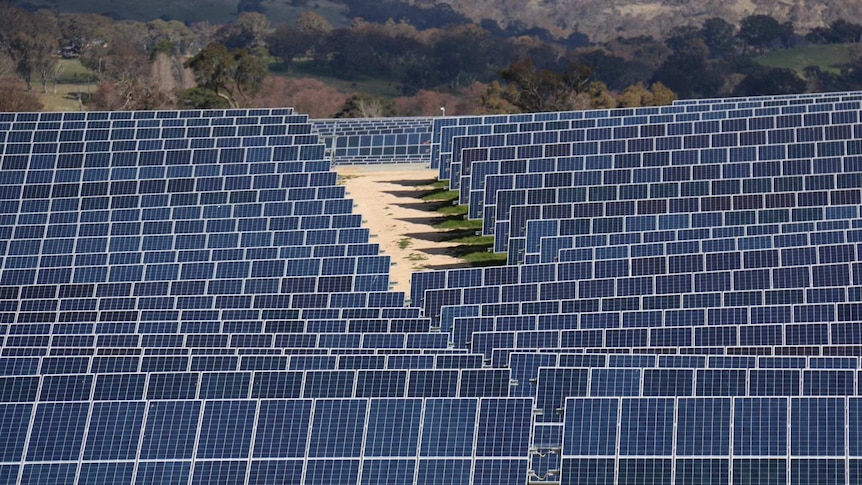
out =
column 433, row 56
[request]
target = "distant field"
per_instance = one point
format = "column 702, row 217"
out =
column 827, row 57
column 73, row 78
column 72, row 72
column 65, row 98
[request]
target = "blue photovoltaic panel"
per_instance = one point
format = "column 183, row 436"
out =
column 321, row 472
column 393, row 428
column 188, row 297
column 170, row 430
column 375, row 141
column 450, row 160
column 490, row 472
column 388, row 471
column 97, row 473
column 448, row 428
column 16, row 420
column 115, row 430
column 226, row 429
column 228, row 472
column 649, row 427
column 274, row 471
column 58, row 432
column 282, row 429
column 503, row 427
column 337, row 429
column 703, row 427
column 167, row 472
column 591, row 427
column 59, row 473
column 433, row 471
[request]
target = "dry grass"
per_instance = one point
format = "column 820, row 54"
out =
column 64, row 97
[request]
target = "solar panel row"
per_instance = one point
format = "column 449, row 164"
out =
column 376, row 140
column 223, row 440
column 204, row 360
column 723, row 240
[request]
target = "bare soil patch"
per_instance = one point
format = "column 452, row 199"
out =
column 389, row 199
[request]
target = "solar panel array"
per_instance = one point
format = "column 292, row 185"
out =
column 187, row 297
column 363, row 141
column 682, row 295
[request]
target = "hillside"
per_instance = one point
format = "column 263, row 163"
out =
column 213, row 11
column 600, row 19
column 605, row 19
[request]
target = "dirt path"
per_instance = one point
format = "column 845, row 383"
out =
column 388, row 197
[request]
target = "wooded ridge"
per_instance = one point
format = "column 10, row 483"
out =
column 601, row 20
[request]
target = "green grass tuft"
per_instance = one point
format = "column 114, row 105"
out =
column 457, row 223
column 485, row 258
column 440, row 195
column 472, row 248
column 453, row 210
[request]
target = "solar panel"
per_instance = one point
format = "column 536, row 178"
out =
column 187, row 297
column 376, row 140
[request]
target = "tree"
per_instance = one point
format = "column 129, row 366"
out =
column 638, row 95
column 463, row 54
column 838, row 32
column 313, row 23
column 366, row 106
column 31, row 41
column 680, row 39
column 124, row 51
column 545, row 90
column 428, row 103
column 233, row 36
column 176, row 33
column 131, row 94
column 7, row 65
column 719, row 37
column 687, row 70
column 313, row 96
column 212, row 67
column 823, row 81
column 80, row 30
column 14, row 97
column 616, row 72
column 762, row 31
column 349, row 53
column 248, row 32
column 494, row 98
column 257, row 26
column 228, row 74
column 662, row 95
column 121, row 59
column 594, row 96
column 318, row 30
column 288, row 43
column 249, row 73
column 201, row 98
column 771, row 81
